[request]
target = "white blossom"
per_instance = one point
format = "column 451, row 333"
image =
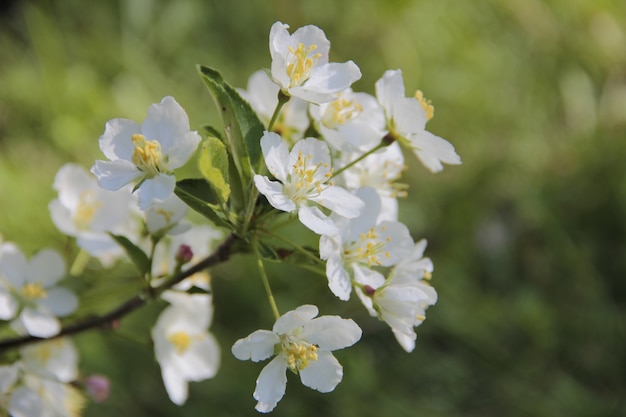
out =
column 302, row 344
column 304, row 178
column 184, row 348
column 300, row 64
column 146, row 154
column 28, row 289
column 406, row 122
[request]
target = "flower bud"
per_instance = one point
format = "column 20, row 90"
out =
column 98, row 387
column 184, row 254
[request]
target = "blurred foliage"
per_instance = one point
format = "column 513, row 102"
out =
column 527, row 236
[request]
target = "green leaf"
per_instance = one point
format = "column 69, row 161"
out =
column 213, row 164
column 200, row 196
column 242, row 127
column 137, row 256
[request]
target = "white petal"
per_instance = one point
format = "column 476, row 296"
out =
column 270, row 385
column 13, row 265
column 273, row 191
column 338, row 278
column 25, row 402
column 39, row 324
column 276, row 155
column 340, row 201
column 433, row 150
column 406, row 340
column 389, row 88
column 167, row 123
column 294, row 319
column 258, row 346
column 115, row 142
column 331, row 332
column 409, row 116
column 203, row 358
column 318, row 152
column 183, row 149
column 113, row 175
column 280, row 40
column 8, row 306
column 59, row 301
column 8, row 376
column 175, row 384
column 46, row 268
column 314, row 219
column 324, row 374
column 312, row 35
column 326, row 81
column 155, row 190
column 62, row 218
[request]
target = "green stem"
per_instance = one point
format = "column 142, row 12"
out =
column 296, row 247
column 282, row 99
column 266, row 282
column 360, row 158
column 80, row 263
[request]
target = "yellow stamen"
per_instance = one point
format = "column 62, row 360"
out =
column 299, row 354
column 341, row 111
column 147, row 155
column 86, row 209
column 300, row 63
column 181, row 341
column 426, row 104
column 427, row 275
column 33, row 291
column 167, row 215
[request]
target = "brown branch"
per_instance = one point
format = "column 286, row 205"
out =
column 221, row 254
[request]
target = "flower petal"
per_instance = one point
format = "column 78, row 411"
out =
column 273, row 191
column 155, row 190
column 59, row 301
column 433, row 150
column 113, row 175
column 38, row 323
column 314, row 219
column 115, row 143
column 276, row 155
column 258, row 346
column 324, row 374
column 326, row 81
column 167, row 123
column 338, row 278
column 183, row 149
column 331, row 332
column 8, row 305
column 175, row 384
column 340, row 201
column 13, row 265
column 46, row 268
column 271, row 385
column 294, row 319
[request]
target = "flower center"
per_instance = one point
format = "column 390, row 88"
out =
column 33, row 291
column 299, row 354
column 86, row 209
column 300, row 62
column 304, row 179
column 147, row 155
column 181, row 341
column 341, row 111
column 367, row 249
column 426, row 104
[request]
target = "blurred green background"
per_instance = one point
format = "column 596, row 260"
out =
column 528, row 236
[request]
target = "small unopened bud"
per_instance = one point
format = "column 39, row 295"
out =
column 98, row 387
column 369, row 290
column 184, row 254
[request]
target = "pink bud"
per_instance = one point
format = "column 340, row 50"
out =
column 369, row 290
column 184, row 254
column 98, row 387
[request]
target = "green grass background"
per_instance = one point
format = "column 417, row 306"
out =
column 527, row 236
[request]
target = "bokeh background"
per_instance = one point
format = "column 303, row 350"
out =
column 528, row 236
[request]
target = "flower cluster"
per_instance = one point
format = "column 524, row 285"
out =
column 298, row 147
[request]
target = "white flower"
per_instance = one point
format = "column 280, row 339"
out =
column 54, row 359
column 184, row 348
column 302, row 344
column 406, row 122
column 363, row 244
column 88, row 212
column 400, row 300
column 351, row 122
column 28, row 288
column 300, row 64
column 262, row 94
column 380, row 171
column 304, row 175
column 145, row 154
